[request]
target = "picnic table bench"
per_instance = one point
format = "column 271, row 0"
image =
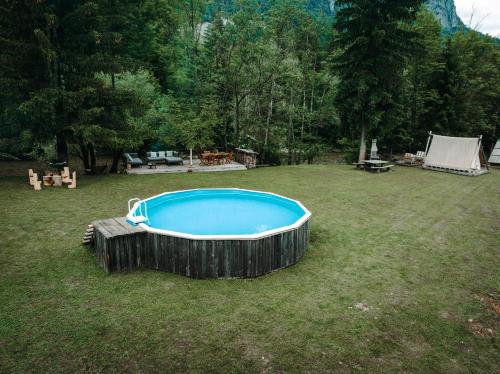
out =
column 378, row 169
column 374, row 165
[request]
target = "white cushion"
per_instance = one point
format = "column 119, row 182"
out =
column 161, row 154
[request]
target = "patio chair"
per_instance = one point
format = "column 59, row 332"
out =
column 132, row 159
column 409, row 158
column 203, row 157
column 229, row 158
column 420, row 155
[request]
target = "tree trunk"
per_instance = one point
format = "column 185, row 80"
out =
column 84, row 155
column 362, row 147
column 269, row 113
column 116, row 160
column 304, row 105
column 237, row 121
column 92, row 157
column 290, row 129
column 61, row 148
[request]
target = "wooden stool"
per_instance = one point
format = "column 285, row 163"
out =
column 36, row 183
column 30, row 175
column 47, row 180
column 57, row 180
column 73, row 181
column 66, row 177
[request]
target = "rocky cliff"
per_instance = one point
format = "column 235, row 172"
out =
column 446, row 13
column 444, row 10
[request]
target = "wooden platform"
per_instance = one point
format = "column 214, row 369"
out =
column 469, row 173
column 197, row 168
column 119, row 246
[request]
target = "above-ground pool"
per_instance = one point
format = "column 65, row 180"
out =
column 219, row 214
column 207, row 233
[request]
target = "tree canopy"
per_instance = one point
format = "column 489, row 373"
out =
column 97, row 78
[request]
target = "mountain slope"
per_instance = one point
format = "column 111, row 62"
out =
column 444, row 10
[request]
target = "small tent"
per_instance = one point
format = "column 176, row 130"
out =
column 455, row 155
column 495, row 154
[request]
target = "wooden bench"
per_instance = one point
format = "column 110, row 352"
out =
column 379, row 169
column 359, row 165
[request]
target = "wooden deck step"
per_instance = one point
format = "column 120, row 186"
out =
column 88, row 237
column 117, row 226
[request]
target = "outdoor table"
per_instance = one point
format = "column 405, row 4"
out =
column 57, row 180
column 212, row 158
column 374, row 164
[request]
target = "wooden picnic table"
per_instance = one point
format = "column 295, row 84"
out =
column 212, row 158
column 374, row 165
column 375, row 162
column 377, row 165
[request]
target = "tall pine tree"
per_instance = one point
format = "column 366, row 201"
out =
column 374, row 44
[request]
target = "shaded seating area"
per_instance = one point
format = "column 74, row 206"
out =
column 164, row 157
column 52, row 178
column 215, row 158
column 132, row 159
column 171, row 162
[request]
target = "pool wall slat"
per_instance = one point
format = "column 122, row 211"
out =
column 118, row 249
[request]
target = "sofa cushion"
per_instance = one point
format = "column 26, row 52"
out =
column 169, row 153
column 161, row 154
column 174, row 160
column 153, row 154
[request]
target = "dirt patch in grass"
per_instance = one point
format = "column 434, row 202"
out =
column 488, row 322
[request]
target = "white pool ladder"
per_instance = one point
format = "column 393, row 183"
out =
column 132, row 216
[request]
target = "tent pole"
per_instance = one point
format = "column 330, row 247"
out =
column 480, row 149
column 428, row 141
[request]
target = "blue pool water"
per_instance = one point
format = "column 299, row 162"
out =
column 221, row 212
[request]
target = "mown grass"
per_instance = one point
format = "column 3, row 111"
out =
column 414, row 247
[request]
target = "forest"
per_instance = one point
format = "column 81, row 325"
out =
column 102, row 77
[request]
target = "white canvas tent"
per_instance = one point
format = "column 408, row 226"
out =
column 495, row 154
column 455, row 155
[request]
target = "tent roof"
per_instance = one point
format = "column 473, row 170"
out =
column 495, row 154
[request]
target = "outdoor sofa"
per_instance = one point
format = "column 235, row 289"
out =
column 167, row 157
column 132, row 159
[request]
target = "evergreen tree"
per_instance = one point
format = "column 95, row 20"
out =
column 374, row 43
column 469, row 87
column 420, row 91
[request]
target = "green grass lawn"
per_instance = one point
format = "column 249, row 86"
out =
column 397, row 265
